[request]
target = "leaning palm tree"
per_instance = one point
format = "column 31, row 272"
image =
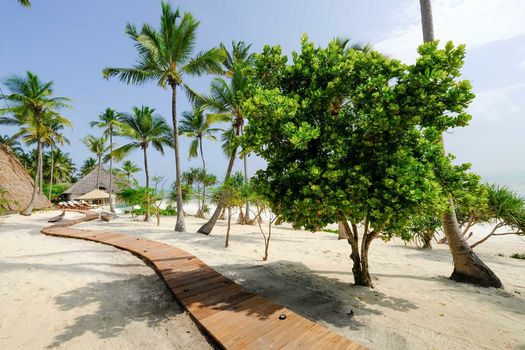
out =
column 166, row 57
column 108, row 121
column 33, row 109
column 143, row 128
column 226, row 98
column 467, row 266
column 98, row 146
column 128, row 169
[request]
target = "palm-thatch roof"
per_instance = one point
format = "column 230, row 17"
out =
column 89, row 183
column 95, row 194
column 15, row 183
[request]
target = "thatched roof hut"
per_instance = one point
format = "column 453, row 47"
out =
column 17, row 183
column 89, row 183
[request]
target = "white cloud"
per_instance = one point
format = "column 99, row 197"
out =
column 473, row 22
column 499, row 104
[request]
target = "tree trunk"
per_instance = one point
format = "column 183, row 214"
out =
column 226, row 242
column 267, row 241
column 208, row 226
column 41, row 172
column 245, row 163
column 111, row 207
column 467, row 266
column 146, row 217
column 180, row 226
column 98, row 171
column 204, row 182
column 359, row 268
column 427, row 239
column 51, row 174
column 29, row 209
column 342, row 231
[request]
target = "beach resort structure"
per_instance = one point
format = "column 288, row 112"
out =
column 16, row 186
column 89, row 183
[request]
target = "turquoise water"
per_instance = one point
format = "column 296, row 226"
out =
column 515, row 180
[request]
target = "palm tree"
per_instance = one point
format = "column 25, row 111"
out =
column 88, row 165
column 189, row 178
column 143, row 128
column 25, row 3
column 34, row 111
column 197, row 126
column 63, row 166
column 166, row 57
column 109, row 122
column 54, row 138
column 467, row 266
column 240, row 54
column 128, row 169
column 98, row 146
column 226, row 99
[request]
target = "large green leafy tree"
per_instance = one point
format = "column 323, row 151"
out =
column 108, row 121
column 144, row 128
column 371, row 162
column 166, row 57
column 98, row 146
column 226, row 98
column 467, row 266
column 35, row 111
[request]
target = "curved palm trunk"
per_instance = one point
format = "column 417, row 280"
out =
column 29, row 209
column 51, row 174
column 146, row 216
column 204, row 182
column 180, row 226
column 467, row 266
column 111, row 208
column 208, row 226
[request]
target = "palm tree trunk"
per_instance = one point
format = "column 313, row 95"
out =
column 111, row 208
column 41, row 172
column 180, row 226
column 98, row 171
column 51, row 174
column 29, row 209
column 467, row 266
column 208, row 226
column 146, row 216
column 246, row 219
column 204, row 182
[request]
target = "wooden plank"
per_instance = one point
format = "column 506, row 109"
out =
column 232, row 315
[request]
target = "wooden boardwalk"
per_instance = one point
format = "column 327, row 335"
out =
column 235, row 317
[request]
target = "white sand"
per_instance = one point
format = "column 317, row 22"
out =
column 414, row 305
column 70, row 294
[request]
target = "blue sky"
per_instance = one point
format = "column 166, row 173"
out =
column 70, row 42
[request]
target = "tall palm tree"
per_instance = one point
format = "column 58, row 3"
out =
column 226, row 98
column 12, row 143
column 88, row 165
column 108, row 121
column 128, row 169
column 198, row 126
column 34, row 110
column 467, row 266
column 166, row 57
column 143, row 128
column 63, row 166
column 98, row 146
column 53, row 139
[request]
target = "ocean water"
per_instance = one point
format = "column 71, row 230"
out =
column 515, row 180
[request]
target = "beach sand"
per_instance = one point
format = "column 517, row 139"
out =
column 70, row 294
column 413, row 304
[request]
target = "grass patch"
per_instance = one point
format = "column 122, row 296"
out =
column 329, row 230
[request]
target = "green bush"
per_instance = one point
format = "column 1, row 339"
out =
column 518, row 256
